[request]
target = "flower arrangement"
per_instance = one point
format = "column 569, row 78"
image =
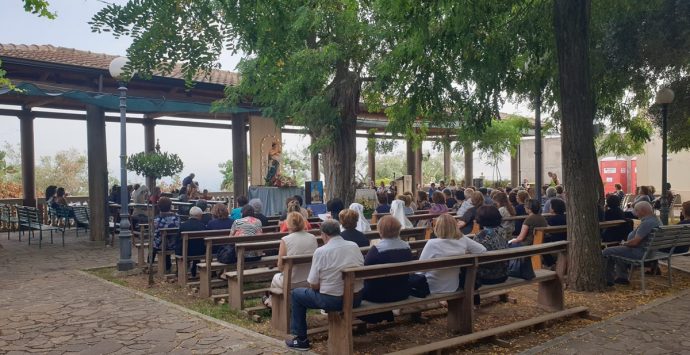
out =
column 283, row 181
column 369, row 206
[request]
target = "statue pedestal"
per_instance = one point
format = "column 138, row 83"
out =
column 273, row 198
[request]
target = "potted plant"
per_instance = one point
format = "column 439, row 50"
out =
column 155, row 164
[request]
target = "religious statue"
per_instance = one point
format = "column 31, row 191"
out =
column 273, row 162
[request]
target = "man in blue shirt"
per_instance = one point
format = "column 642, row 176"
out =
column 633, row 247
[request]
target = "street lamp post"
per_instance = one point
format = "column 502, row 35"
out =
column 125, row 263
column 664, row 97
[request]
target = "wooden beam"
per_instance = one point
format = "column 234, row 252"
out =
column 98, row 172
column 26, row 129
column 239, row 155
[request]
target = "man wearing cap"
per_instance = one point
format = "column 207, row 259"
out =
column 325, row 280
column 195, row 247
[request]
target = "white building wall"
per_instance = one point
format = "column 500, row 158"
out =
column 551, row 157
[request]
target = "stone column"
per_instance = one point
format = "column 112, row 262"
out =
column 150, row 146
column 315, row 175
column 469, row 164
column 371, row 161
column 411, row 165
column 26, row 129
column 98, row 173
column 514, row 169
column 239, row 154
column 446, row 162
column 418, row 163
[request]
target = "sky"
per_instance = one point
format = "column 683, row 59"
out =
column 203, row 149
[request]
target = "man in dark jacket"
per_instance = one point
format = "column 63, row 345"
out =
column 195, row 247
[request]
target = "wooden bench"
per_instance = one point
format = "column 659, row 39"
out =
column 165, row 233
column 664, row 237
column 280, row 297
column 182, row 261
column 460, row 316
column 541, row 232
column 30, row 218
column 205, row 273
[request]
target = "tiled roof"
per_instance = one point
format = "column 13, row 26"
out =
column 78, row 58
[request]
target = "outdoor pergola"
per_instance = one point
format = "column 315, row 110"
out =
column 54, row 78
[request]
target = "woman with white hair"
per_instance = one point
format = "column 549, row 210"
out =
column 258, row 211
column 362, row 224
column 398, row 212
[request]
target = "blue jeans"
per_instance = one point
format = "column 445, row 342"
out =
column 307, row 298
column 621, row 269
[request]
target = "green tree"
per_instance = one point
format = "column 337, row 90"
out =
column 67, row 168
column 228, row 176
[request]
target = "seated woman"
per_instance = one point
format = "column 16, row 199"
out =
column 398, row 212
column 348, row 221
column 438, row 204
column 492, row 237
column 391, row 249
column 296, row 243
column 247, row 225
column 522, row 197
column 183, row 197
column 155, row 195
column 467, row 201
column 450, row 200
column 362, row 223
column 423, row 201
column 140, row 196
column 506, row 209
column 534, row 219
column 614, row 212
column 412, row 204
column 237, row 211
column 165, row 219
column 383, row 206
column 558, row 219
column 466, row 222
column 448, row 242
column 334, row 206
column 221, row 219
column 294, row 206
column 258, row 207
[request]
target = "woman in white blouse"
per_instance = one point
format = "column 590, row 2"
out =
column 298, row 242
column 449, row 242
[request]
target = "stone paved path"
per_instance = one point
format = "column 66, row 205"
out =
column 662, row 327
column 48, row 306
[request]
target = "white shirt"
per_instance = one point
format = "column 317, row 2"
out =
column 298, row 243
column 328, row 263
column 466, row 205
column 447, row 280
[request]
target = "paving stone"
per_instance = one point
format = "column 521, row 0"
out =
column 46, row 306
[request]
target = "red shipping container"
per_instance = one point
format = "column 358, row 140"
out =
column 614, row 171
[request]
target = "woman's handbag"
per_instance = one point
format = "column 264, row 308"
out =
column 520, row 268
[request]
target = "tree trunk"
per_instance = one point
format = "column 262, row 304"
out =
column 571, row 21
column 339, row 156
column 469, row 163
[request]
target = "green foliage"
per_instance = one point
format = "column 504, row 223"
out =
column 228, row 176
column 40, row 8
column 630, row 140
column 155, row 164
column 678, row 116
column 67, row 168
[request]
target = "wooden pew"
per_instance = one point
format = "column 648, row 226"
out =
column 184, row 259
column 205, row 279
column 280, row 297
column 460, row 316
column 541, row 232
column 164, row 252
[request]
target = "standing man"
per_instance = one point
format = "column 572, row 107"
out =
column 188, row 180
column 633, row 247
column 325, row 280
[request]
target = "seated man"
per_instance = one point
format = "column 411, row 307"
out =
column 196, row 247
column 206, row 216
column 325, row 280
column 633, row 247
